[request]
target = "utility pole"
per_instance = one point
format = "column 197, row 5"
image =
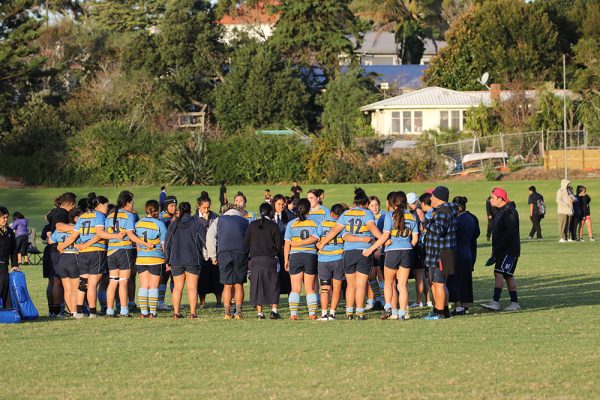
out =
column 565, row 110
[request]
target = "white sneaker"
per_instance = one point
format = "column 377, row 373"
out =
column 323, row 318
column 429, row 304
column 513, row 307
column 492, row 305
column 369, row 307
column 562, row 241
column 592, row 239
column 415, row 305
column 78, row 315
column 570, row 240
column 165, row 307
column 393, row 316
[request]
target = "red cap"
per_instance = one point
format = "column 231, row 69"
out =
column 429, row 190
column 501, row 193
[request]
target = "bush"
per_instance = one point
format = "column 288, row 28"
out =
column 252, row 158
column 491, row 174
column 108, row 153
column 186, row 164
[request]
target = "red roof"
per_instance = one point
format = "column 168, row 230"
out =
column 258, row 14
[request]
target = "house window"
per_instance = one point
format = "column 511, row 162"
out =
column 406, row 122
column 456, row 120
column 396, row 122
column 418, row 121
column 443, row 120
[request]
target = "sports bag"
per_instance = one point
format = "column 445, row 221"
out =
column 20, row 296
column 9, row 316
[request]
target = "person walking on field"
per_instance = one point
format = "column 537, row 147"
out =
column 506, row 249
column 564, row 201
column 537, row 211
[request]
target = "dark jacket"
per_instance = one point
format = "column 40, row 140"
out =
column 489, row 209
column 8, row 248
column 263, row 239
column 441, row 233
column 505, row 239
column 185, row 239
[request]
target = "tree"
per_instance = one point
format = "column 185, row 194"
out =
column 260, row 91
column 587, row 57
column 128, row 15
column 342, row 119
column 315, row 33
column 191, row 56
column 21, row 65
column 510, row 39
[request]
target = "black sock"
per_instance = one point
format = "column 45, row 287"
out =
column 93, row 310
column 56, row 308
column 497, row 293
column 447, row 312
column 438, row 312
column 79, row 309
column 513, row 296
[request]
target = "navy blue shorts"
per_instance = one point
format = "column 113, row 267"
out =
column 123, row 260
column 155, row 270
column 93, row 263
column 233, row 267
column 177, row 270
column 66, row 266
column 303, row 262
column 506, row 266
column 354, row 261
column 395, row 259
column 331, row 270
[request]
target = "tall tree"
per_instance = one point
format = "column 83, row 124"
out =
column 316, row 32
column 127, row 15
column 260, row 91
column 191, row 55
column 510, row 39
column 21, row 65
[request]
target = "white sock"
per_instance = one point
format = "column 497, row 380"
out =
column 332, row 312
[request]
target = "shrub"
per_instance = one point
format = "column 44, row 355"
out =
column 186, row 164
column 491, row 174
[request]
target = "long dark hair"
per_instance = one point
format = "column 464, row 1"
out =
column 124, row 197
column 399, row 205
column 95, row 201
column 75, row 213
column 67, row 197
column 303, row 209
column 152, row 207
column 461, row 203
column 265, row 210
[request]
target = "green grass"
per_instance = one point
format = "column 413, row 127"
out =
column 549, row 350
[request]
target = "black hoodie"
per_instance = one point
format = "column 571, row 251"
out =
column 185, row 239
column 505, row 236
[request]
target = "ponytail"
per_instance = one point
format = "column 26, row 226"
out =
column 124, row 197
column 265, row 211
column 399, row 205
column 303, row 208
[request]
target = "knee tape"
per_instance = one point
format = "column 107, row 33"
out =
column 122, row 279
column 114, row 278
column 325, row 282
column 83, row 285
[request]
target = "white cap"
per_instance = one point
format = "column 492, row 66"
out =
column 411, row 198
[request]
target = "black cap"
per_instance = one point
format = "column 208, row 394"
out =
column 170, row 200
column 441, row 192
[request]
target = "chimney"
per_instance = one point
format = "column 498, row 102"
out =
column 495, row 91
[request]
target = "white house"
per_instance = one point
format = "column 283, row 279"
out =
column 256, row 21
column 434, row 108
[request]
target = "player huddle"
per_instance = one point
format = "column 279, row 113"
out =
column 359, row 252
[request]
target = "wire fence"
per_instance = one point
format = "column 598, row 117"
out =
column 503, row 150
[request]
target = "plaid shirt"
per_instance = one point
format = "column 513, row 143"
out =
column 440, row 233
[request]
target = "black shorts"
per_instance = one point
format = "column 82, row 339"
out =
column 93, row 263
column 506, row 266
column 233, row 267
column 67, row 266
column 22, row 244
column 395, row 259
column 177, row 270
column 123, row 260
column 155, row 270
column 436, row 275
column 303, row 262
column 354, row 261
column 331, row 270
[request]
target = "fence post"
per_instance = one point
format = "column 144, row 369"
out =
column 479, row 151
column 461, row 154
column 502, row 148
column 585, row 138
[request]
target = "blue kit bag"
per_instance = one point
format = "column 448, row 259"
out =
column 20, row 296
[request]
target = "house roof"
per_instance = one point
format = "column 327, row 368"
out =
column 437, row 97
column 257, row 14
column 385, row 43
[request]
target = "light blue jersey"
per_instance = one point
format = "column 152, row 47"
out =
column 334, row 250
column 125, row 222
column 153, row 231
column 86, row 226
column 318, row 214
column 249, row 216
column 297, row 231
column 60, row 236
column 400, row 240
column 355, row 222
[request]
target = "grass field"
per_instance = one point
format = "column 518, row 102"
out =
column 549, row 350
